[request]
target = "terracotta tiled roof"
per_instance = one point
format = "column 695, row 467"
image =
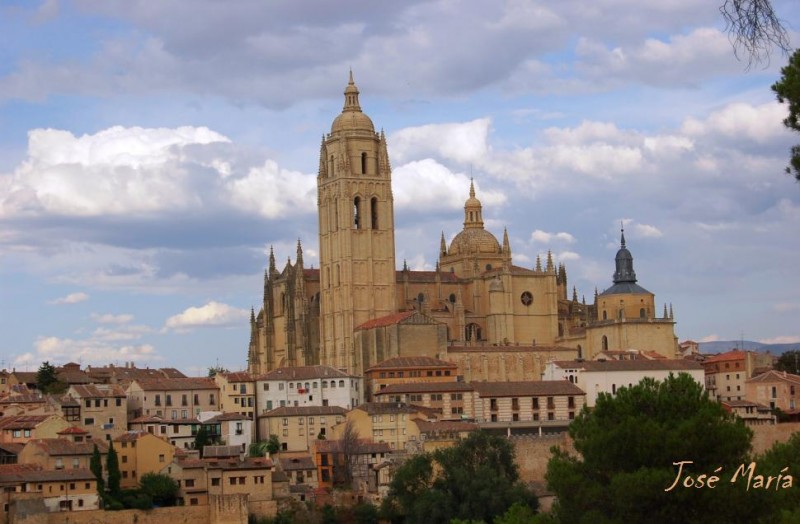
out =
column 304, row 373
column 73, row 430
column 424, row 387
column 776, row 376
column 36, row 474
column 176, row 384
column 12, row 447
column 311, row 274
column 131, row 436
column 293, row 411
column 238, row 376
column 95, row 391
column 226, row 416
column 631, row 365
column 246, row 463
column 388, row 320
column 22, row 421
column 296, row 463
column 526, row 389
column 25, row 398
column 426, row 426
column 727, row 357
column 412, row 362
column 61, row 446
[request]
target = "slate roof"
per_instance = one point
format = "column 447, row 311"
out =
column 526, row 388
column 621, row 288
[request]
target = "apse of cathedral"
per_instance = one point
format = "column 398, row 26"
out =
column 494, row 319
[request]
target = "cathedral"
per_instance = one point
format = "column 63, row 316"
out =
column 494, row 319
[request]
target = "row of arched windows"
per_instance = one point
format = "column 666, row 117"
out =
column 364, row 165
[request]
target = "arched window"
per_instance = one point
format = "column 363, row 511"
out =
column 373, row 212
column 363, row 163
column 605, row 315
column 357, row 213
column 283, row 303
column 452, row 298
column 605, row 343
column 580, row 351
column 472, row 332
column 642, row 313
column 421, row 298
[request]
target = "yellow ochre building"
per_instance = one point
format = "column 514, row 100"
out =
column 493, row 319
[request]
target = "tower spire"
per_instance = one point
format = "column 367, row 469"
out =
column 351, row 96
column 622, row 235
column 442, row 246
column 299, row 253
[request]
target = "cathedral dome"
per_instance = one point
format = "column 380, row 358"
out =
column 352, row 121
column 474, row 241
column 352, row 118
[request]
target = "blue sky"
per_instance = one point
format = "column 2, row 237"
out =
column 151, row 152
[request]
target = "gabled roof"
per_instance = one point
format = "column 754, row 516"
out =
column 304, row 373
column 775, row 376
column 64, row 447
column 95, row 391
column 23, row 421
column 412, row 362
column 527, row 388
column 303, row 462
column 225, row 417
column 20, row 473
column 388, row 320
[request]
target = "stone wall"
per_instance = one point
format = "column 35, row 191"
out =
column 533, row 453
column 767, row 435
column 227, row 509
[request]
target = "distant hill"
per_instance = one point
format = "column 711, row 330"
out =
column 722, row 346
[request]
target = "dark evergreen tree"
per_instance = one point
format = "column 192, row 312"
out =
column 114, row 475
column 787, row 90
column 96, row 467
column 162, row 489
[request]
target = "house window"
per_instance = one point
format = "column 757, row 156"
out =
column 215, row 482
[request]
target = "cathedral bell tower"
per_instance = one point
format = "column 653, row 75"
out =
column 356, row 231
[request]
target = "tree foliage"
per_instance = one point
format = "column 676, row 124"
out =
column 201, row 440
column 754, row 29
column 162, row 489
column 96, row 467
column 628, row 445
column 476, row 479
column 787, row 90
column 47, row 379
column 114, row 474
column 789, row 362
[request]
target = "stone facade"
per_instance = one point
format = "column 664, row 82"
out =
column 357, row 310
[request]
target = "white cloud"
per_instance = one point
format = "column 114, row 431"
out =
column 645, row 230
column 426, row 184
column 738, row 121
column 543, row 237
column 113, row 172
column 72, row 298
column 710, row 338
column 789, row 339
column 460, row 142
column 566, row 256
column 211, row 314
column 273, row 192
column 95, row 351
column 111, row 319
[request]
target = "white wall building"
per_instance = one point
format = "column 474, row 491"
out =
column 596, row 376
column 308, row 386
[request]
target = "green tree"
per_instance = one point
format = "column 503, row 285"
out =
column 273, row 444
column 201, row 440
column 47, row 379
column 162, row 489
column 782, row 455
column 96, row 467
column 628, row 444
column 787, row 89
column 212, row 371
column 112, row 468
column 789, row 362
column 475, row 479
